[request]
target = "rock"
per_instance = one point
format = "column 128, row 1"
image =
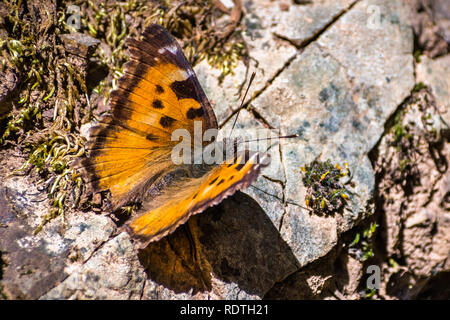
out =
column 315, row 281
column 334, row 95
column 301, row 23
column 30, row 266
column 113, row 272
column 80, row 44
column 36, row 263
column 8, row 83
column 413, row 192
column 434, row 73
column 44, row 256
column 431, row 25
column 264, row 21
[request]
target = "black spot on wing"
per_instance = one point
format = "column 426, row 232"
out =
column 194, row 113
column 185, row 89
column 166, row 121
column 157, row 104
column 151, row 137
column 159, row 89
column 212, row 182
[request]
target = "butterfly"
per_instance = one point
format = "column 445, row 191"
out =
column 130, row 148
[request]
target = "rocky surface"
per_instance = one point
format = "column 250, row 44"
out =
column 8, row 82
column 431, row 24
column 434, row 74
column 333, row 72
column 333, row 94
column 415, row 230
column 82, row 251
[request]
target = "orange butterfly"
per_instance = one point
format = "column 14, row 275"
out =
column 130, row 148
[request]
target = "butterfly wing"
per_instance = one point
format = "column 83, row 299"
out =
column 159, row 92
column 163, row 215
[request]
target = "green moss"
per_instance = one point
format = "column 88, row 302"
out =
column 48, row 82
column 392, row 263
column 361, row 246
column 325, row 192
column 417, row 55
column 193, row 22
column 370, row 293
column 418, row 86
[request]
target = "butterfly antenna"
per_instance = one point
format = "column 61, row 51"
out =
column 270, row 138
column 242, row 102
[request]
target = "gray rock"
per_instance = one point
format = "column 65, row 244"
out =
column 413, row 200
column 434, row 73
column 71, row 257
column 269, row 53
column 44, row 256
column 301, row 23
column 80, row 44
column 337, row 95
column 113, row 272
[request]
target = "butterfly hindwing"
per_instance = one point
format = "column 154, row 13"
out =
column 192, row 196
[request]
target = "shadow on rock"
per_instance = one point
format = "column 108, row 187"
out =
column 234, row 243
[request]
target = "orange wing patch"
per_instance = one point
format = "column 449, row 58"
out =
column 193, row 196
column 159, row 92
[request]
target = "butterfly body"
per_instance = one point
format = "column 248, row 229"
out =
column 131, row 149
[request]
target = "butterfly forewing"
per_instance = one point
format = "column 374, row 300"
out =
column 158, row 93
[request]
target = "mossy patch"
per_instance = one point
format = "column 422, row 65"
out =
column 407, row 135
column 361, row 246
column 325, row 193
